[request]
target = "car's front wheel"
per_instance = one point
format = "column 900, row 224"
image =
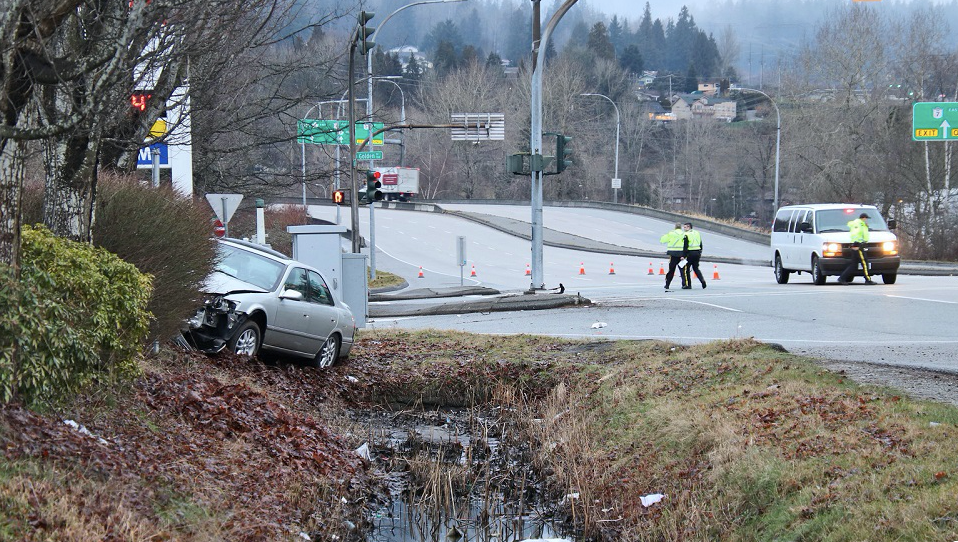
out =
column 818, row 276
column 781, row 275
column 329, row 353
column 246, row 340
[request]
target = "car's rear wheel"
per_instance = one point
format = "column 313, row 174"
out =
column 781, row 275
column 329, row 353
column 889, row 278
column 246, row 340
column 818, row 276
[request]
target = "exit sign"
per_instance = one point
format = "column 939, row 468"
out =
column 934, row 121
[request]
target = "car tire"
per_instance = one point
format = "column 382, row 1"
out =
column 781, row 275
column 889, row 278
column 328, row 354
column 818, row 276
column 246, row 340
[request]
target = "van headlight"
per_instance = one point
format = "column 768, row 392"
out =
column 890, row 248
column 830, row 250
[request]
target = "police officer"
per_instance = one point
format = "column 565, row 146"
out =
column 692, row 250
column 674, row 242
column 858, row 232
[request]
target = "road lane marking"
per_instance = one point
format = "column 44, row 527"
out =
column 703, row 303
column 923, row 299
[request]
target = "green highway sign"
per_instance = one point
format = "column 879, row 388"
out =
column 369, row 155
column 335, row 132
column 934, row 121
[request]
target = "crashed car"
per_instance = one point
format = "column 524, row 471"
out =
column 257, row 298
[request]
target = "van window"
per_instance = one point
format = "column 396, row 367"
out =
column 781, row 220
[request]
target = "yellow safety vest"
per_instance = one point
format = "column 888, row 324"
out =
column 695, row 240
column 674, row 239
column 858, row 230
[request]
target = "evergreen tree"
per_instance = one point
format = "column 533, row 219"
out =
column 681, row 38
column 619, row 34
column 470, row 56
column 631, row 60
column 599, row 43
column 691, row 80
column 494, row 64
column 412, row 76
column 445, row 61
column 644, row 37
column 704, row 54
column 445, row 31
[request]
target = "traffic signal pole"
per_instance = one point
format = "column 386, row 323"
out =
column 535, row 140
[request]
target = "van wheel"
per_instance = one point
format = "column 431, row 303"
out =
column 889, row 278
column 781, row 275
column 818, row 276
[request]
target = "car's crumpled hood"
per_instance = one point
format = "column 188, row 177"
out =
column 221, row 283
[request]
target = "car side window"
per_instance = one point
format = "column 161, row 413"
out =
column 781, row 221
column 297, row 281
column 318, row 292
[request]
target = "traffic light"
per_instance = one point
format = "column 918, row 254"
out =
column 339, row 197
column 563, row 152
column 363, row 42
column 373, row 185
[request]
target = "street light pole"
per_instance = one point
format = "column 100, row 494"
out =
column 615, row 191
column 402, row 117
column 369, row 116
column 778, row 142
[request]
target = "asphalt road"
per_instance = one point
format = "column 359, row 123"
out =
column 910, row 323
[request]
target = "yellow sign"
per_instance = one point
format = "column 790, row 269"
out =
column 158, row 129
column 926, row 132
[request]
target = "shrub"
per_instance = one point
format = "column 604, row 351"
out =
column 162, row 233
column 77, row 314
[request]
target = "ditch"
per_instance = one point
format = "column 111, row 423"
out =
column 458, row 475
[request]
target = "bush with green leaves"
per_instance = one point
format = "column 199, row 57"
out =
column 77, row 315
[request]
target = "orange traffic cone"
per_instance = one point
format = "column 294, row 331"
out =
column 611, row 268
column 581, row 268
column 715, row 272
column 661, row 268
column 651, row 271
column 420, row 272
column 528, row 271
column 473, row 272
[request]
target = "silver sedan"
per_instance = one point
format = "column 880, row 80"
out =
column 258, row 298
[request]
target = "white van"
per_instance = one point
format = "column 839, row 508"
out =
column 814, row 239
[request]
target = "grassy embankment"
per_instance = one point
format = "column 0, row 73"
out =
column 746, row 442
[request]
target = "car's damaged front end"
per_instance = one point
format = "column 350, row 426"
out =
column 213, row 324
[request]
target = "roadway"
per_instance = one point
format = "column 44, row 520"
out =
column 908, row 324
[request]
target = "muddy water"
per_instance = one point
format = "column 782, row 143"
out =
column 455, row 475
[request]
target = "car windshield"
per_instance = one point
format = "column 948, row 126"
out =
column 833, row 220
column 248, row 266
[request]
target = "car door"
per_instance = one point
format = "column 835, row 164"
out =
column 294, row 326
column 325, row 313
column 801, row 256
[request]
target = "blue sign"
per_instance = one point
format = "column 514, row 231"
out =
column 144, row 158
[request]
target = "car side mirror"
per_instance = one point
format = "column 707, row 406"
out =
column 892, row 224
column 292, row 295
column 805, row 227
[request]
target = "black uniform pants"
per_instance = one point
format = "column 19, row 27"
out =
column 693, row 257
column 857, row 257
column 674, row 260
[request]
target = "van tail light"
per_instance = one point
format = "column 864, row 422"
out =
column 831, row 250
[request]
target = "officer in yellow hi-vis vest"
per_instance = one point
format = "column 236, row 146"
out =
column 674, row 242
column 858, row 233
column 692, row 249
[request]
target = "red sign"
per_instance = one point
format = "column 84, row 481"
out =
column 219, row 229
column 391, row 178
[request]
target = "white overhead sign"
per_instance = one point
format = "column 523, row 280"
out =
column 224, row 205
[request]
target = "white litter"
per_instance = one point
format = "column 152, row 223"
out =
column 352, row 379
column 649, row 500
column 598, row 325
column 305, row 536
column 363, row 451
column 84, row 431
column 934, row 424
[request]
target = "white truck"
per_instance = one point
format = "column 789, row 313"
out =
column 399, row 183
